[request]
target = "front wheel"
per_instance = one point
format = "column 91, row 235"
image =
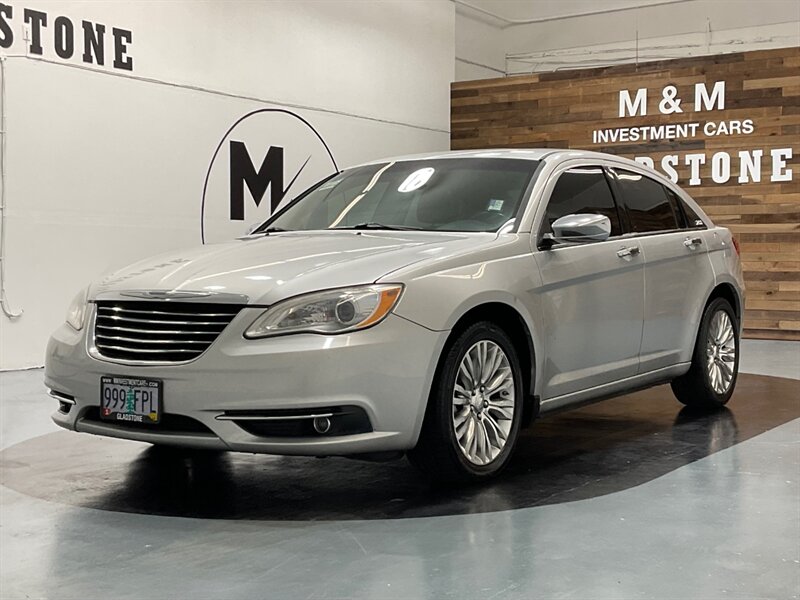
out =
column 710, row 381
column 474, row 410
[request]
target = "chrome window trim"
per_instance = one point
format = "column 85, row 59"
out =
column 623, row 237
column 543, row 188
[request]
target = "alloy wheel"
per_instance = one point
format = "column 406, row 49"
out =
column 720, row 352
column 483, row 402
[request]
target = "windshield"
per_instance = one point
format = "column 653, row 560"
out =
column 458, row 194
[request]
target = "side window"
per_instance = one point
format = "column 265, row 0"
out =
column 582, row 190
column 647, row 203
column 693, row 220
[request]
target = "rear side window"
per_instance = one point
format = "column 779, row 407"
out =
column 582, row 190
column 692, row 219
column 648, row 206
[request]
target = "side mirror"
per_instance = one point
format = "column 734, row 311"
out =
column 579, row 228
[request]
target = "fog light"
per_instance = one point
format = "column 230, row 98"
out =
column 65, row 401
column 322, row 424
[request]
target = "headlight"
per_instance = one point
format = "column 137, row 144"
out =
column 332, row 311
column 77, row 310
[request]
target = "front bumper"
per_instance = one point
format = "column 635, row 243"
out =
column 385, row 370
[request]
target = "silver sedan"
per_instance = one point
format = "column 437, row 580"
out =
column 429, row 305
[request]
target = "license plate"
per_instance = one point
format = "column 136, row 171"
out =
column 130, row 399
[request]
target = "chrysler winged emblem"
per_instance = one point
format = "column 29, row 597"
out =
column 165, row 294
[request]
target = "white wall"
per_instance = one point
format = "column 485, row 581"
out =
column 692, row 28
column 607, row 36
column 104, row 167
column 480, row 49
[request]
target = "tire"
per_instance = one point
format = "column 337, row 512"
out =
column 445, row 451
column 711, row 379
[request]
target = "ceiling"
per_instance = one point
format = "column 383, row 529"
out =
column 507, row 12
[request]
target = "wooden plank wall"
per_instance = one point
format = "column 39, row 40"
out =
column 562, row 109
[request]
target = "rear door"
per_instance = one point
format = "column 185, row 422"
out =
column 677, row 269
column 592, row 295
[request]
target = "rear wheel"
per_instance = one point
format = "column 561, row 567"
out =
column 474, row 409
column 710, row 381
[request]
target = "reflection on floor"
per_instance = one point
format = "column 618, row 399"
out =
column 632, row 498
column 600, row 449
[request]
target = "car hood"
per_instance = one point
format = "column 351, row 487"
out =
column 269, row 268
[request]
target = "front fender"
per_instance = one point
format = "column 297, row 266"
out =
column 438, row 300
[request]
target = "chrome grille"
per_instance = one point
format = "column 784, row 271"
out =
column 159, row 331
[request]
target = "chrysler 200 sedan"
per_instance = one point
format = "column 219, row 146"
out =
column 432, row 305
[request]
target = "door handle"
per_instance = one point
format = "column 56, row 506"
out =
column 692, row 242
column 628, row 251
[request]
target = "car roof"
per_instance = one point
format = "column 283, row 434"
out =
column 557, row 154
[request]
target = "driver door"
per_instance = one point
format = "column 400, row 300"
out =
column 592, row 294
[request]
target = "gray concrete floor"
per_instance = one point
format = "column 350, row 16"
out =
column 726, row 526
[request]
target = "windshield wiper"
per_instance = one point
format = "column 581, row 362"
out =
column 269, row 230
column 374, row 225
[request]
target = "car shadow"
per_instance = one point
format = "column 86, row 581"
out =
column 585, row 453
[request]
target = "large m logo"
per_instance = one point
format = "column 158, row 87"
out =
column 269, row 175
